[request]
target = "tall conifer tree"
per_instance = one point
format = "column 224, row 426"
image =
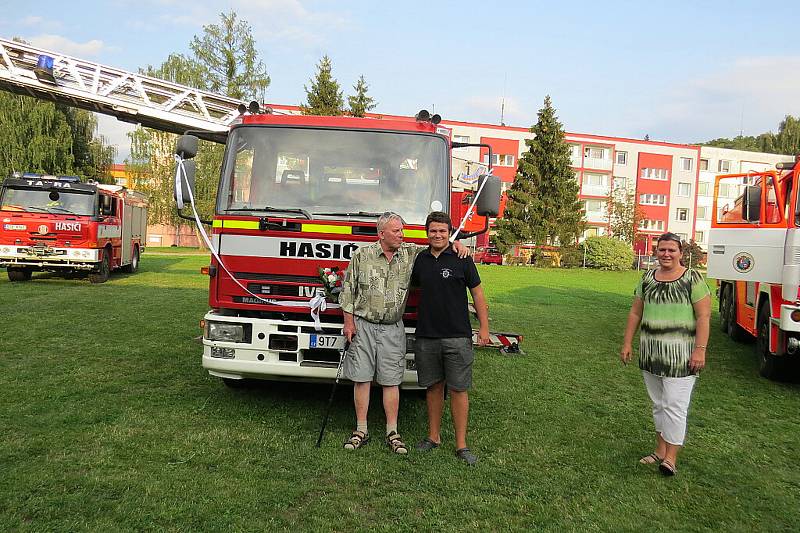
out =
column 360, row 103
column 543, row 205
column 324, row 97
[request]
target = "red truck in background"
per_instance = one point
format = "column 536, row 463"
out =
column 60, row 224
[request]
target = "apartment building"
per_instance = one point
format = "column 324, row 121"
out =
column 672, row 183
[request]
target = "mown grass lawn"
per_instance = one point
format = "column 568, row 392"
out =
column 108, row 422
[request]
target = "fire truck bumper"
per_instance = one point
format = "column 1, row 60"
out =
column 279, row 350
column 48, row 258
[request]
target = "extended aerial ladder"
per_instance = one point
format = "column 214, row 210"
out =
column 130, row 97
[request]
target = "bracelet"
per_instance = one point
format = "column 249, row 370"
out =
column 700, row 346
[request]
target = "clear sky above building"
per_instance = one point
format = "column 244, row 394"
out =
column 677, row 71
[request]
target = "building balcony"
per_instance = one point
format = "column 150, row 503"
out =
column 576, row 159
column 597, row 163
column 596, row 217
column 596, row 190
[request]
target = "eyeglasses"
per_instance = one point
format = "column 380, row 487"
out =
column 670, row 237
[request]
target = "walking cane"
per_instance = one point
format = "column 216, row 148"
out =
column 333, row 392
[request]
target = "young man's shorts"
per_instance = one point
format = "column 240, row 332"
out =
column 378, row 352
column 448, row 359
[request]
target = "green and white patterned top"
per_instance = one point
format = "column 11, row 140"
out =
column 667, row 334
column 376, row 289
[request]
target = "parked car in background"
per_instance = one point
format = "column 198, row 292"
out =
column 488, row 256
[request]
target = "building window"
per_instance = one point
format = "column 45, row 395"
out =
column 725, row 189
column 699, row 236
column 682, row 214
column 622, row 158
column 595, row 180
column 460, row 139
column 702, row 188
column 653, row 199
column 686, row 163
column 651, row 225
column 619, row 183
column 702, row 212
column 661, row 174
column 682, row 236
column 500, row 160
column 594, row 152
column 684, row 189
column 724, row 165
column 595, row 207
column 704, row 164
column 575, row 150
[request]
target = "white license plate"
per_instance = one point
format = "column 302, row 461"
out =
column 325, row 341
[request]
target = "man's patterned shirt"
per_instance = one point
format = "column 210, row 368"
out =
column 376, row 289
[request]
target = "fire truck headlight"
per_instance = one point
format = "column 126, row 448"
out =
column 225, row 331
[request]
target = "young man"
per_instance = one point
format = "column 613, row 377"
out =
column 373, row 299
column 444, row 336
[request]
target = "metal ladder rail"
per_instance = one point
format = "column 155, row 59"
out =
column 128, row 96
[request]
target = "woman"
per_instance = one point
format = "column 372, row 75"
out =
column 673, row 305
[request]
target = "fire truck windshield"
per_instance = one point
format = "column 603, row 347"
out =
column 48, row 201
column 331, row 172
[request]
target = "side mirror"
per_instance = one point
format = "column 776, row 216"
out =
column 489, row 201
column 186, row 147
column 184, row 182
column 752, row 203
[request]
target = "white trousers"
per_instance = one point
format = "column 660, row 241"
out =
column 670, row 397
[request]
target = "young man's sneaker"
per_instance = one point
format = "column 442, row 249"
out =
column 426, row 445
column 467, row 456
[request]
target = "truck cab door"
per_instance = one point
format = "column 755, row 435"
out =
column 748, row 228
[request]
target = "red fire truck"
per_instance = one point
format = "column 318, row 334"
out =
column 59, row 224
column 300, row 193
column 754, row 252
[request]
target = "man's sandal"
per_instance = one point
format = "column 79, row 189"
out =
column 397, row 445
column 651, row 459
column 667, row 468
column 357, row 440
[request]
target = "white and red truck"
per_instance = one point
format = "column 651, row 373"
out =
column 298, row 194
column 754, row 253
column 60, row 224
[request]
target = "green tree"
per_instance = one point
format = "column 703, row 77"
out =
column 624, row 215
column 225, row 60
column 40, row 136
column 227, row 53
column 360, row 103
column 545, row 209
column 324, row 97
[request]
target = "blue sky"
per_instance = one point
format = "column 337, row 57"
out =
column 678, row 71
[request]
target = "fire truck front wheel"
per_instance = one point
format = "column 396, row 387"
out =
column 103, row 270
column 19, row 274
column 770, row 366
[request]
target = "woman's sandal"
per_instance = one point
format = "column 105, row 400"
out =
column 651, row 459
column 357, row 440
column 667, row 468
column 397, row 445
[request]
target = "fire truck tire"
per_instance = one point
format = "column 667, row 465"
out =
column 770, row 366
column 134, row 264
column 727, row 316
column 103, row 271
column 19, row 274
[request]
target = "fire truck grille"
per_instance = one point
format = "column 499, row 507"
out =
column 277, row 277
column 263, row 289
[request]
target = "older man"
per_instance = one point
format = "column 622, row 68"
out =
column 373, row 298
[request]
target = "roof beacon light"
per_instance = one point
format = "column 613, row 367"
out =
column 436, row 119
column 253, row 107
column 423, row 116
column 44, row 69
column 242, row 109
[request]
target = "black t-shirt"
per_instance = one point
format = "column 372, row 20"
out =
column 444, row 280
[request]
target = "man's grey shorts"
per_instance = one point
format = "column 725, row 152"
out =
column 447, row 359
column 378, row 352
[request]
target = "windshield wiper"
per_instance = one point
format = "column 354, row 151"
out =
column 352, row 214
column 40, row 209
column 268, row 209
column 61, row 209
